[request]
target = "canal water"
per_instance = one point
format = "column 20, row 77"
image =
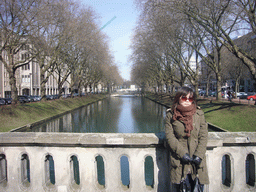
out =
column 124, row 114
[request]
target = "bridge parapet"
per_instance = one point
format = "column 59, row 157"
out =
column 70, row 162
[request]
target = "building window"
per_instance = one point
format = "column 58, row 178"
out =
column 25, row 78
column 25, row 47
column 24, row 56
column 26, row 67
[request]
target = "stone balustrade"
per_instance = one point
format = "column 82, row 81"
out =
column 231, row 161
column 116, row 162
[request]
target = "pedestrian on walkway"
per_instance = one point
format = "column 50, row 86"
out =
column 229, row 95
column 187, row 133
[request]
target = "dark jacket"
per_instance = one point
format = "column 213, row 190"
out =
column 180, row 145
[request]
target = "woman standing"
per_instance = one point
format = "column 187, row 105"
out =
column 187, row 133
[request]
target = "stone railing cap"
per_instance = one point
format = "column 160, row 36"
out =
column 79, row 138
column 219, row 138
column 136, row 139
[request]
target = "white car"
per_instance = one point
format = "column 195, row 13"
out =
column 241, row 95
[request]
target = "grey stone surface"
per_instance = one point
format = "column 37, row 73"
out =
column 86, row 146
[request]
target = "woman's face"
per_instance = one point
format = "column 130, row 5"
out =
column 186, row 101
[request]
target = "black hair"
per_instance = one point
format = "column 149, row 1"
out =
column 183, row 91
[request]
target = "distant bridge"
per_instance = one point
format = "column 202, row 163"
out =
column 126, row 92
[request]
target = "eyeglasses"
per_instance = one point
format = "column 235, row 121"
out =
column 184, row 98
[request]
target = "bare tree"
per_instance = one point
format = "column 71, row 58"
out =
column 61, row 36
column 165, row 34
column 17, row 18
column 199, row 41
column 205, row 26
column 228, row 18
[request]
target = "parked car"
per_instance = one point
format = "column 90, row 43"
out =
column 38, row 98
column 49, row 97
column 241, row 95
column 55, row 96
column 212, row 93
column 35, row 98
column 251, row 97
column 22, row 99
column 64, row 96
column 75, row 94
column 202, row 92
column 27, row 97
column 251, row 93
column 7, row 101
column 2, row 101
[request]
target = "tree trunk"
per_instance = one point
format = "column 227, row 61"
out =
column 173, row 88
column 79, row 88
column 14, row 90
column 196, row 88
column 207, row 85
column 60, row 90
column 42, row 85
column 218, row 86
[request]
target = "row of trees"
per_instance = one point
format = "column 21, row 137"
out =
column 170, row 33
column 62, row 36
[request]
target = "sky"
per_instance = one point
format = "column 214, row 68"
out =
column 120, row 30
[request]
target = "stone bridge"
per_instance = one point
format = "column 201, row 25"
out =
column 126, row 92
column 93, row 162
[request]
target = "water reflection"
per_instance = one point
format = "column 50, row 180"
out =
column 112, row 115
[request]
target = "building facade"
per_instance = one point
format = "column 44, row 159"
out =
column 28, row 78
column 235, row 74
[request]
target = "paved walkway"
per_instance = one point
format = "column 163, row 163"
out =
column 240, row 101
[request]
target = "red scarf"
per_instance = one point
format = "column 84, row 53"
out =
column 185, row 115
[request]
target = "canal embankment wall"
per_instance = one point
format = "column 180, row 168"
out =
column 28, row 126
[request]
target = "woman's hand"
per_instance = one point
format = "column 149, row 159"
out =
column 186, row 159
column 196, row 160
